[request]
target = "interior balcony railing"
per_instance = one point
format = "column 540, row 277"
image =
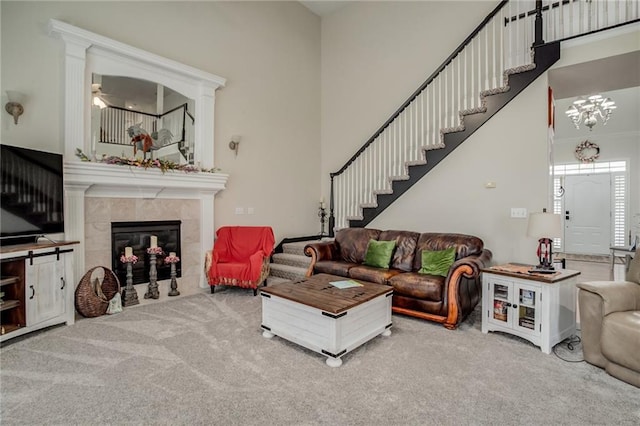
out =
column 115, row 122
column 502, row 45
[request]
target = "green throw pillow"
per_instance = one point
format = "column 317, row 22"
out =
column 379, row 253
column 437, row 262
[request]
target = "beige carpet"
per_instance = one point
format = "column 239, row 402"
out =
column 201, row 359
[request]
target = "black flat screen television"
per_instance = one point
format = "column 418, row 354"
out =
column 32, row 190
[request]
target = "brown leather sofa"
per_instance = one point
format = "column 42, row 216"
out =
column 610, row 324
column 447, row 300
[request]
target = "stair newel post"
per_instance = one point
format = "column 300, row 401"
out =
column 332, row 219
column 538, row 25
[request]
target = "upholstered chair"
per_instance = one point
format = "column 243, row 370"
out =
column 610, row 321
column 240, row 257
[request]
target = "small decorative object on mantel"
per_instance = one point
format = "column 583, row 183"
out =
column 587, row 152
column 153, row 251
column 130, row 297
column 173, row 259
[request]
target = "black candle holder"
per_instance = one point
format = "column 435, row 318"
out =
column 322, row 214
column 152, row 289
column 130, row 296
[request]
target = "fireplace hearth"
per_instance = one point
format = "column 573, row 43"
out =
column 137, row 235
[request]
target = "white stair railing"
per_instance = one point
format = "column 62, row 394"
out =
column 479, row 67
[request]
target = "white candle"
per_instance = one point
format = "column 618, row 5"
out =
column 128, row 252
column 154, row 241
column 172, row 254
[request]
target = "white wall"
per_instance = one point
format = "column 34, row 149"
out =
column 269, row 52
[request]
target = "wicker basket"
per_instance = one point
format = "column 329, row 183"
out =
column 90, row 303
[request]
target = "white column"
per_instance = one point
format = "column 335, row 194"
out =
column 74, row 225
column 204, row 136
column 75, row 135
column 207, row 230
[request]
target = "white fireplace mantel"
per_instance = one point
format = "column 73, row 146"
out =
column 109, row 180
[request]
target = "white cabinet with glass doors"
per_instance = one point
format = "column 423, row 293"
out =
column 540, row 309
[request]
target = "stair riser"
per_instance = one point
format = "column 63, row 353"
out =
column 287, row 273
column 297, row 262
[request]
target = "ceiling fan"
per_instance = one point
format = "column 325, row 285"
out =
column 99, row 98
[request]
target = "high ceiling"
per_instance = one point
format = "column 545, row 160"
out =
column 602, row 75
column 324, row 8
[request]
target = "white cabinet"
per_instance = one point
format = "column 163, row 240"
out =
column 538, row 308
column 37, row 282
column 46, row 288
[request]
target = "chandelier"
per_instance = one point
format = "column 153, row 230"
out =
column 588, row 110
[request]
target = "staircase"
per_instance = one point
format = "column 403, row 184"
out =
column 32, row 191
column 498, row 60
column 291, row 264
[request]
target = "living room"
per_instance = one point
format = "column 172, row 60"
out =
column 304, row 93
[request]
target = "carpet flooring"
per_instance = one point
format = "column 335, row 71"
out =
column 201, row 359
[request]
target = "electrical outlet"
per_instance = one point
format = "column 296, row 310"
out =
column 518, row 212
column 250, row 210
column 239, row 210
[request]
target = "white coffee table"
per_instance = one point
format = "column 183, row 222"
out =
column 325, row 319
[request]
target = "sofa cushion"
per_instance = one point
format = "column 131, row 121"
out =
column 406, row 242
column 437, row 262
column 353, row 242
column 333, row 267
column 372, row 274
column 412, row 284
column 379, row 253
column 466, row 245
column 620, row 338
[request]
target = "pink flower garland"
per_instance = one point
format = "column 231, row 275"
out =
column 131, row 259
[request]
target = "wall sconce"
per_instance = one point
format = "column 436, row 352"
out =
column 14, row 106
column 235, row 143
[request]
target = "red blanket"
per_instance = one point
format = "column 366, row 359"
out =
column 238, row 253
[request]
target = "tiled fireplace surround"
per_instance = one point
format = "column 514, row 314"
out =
column 101, row 212
column 97, row 194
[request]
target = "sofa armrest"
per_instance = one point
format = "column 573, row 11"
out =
column 463, row 288
column 324, row 250
column 616, row 295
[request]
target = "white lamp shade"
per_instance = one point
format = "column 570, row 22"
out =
column 544, row 225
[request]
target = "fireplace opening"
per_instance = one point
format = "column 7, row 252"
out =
column 137, row 235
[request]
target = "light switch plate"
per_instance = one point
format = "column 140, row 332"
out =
column 519, row 212
column 239, row 210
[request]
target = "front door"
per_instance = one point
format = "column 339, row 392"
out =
column 587, row 214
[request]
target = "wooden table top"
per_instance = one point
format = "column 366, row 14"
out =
column 317, row 292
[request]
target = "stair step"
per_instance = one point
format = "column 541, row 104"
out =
column 276, row 280
column 287, row 272
column 291, row 260
column 296, row 248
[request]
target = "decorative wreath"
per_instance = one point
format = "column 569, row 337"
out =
column 587, row 152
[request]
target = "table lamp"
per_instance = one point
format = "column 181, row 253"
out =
column 544, row 226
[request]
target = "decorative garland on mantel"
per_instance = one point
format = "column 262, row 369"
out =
column 587, row 152
column 163, row 165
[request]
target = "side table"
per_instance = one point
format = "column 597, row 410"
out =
column 540, row 308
